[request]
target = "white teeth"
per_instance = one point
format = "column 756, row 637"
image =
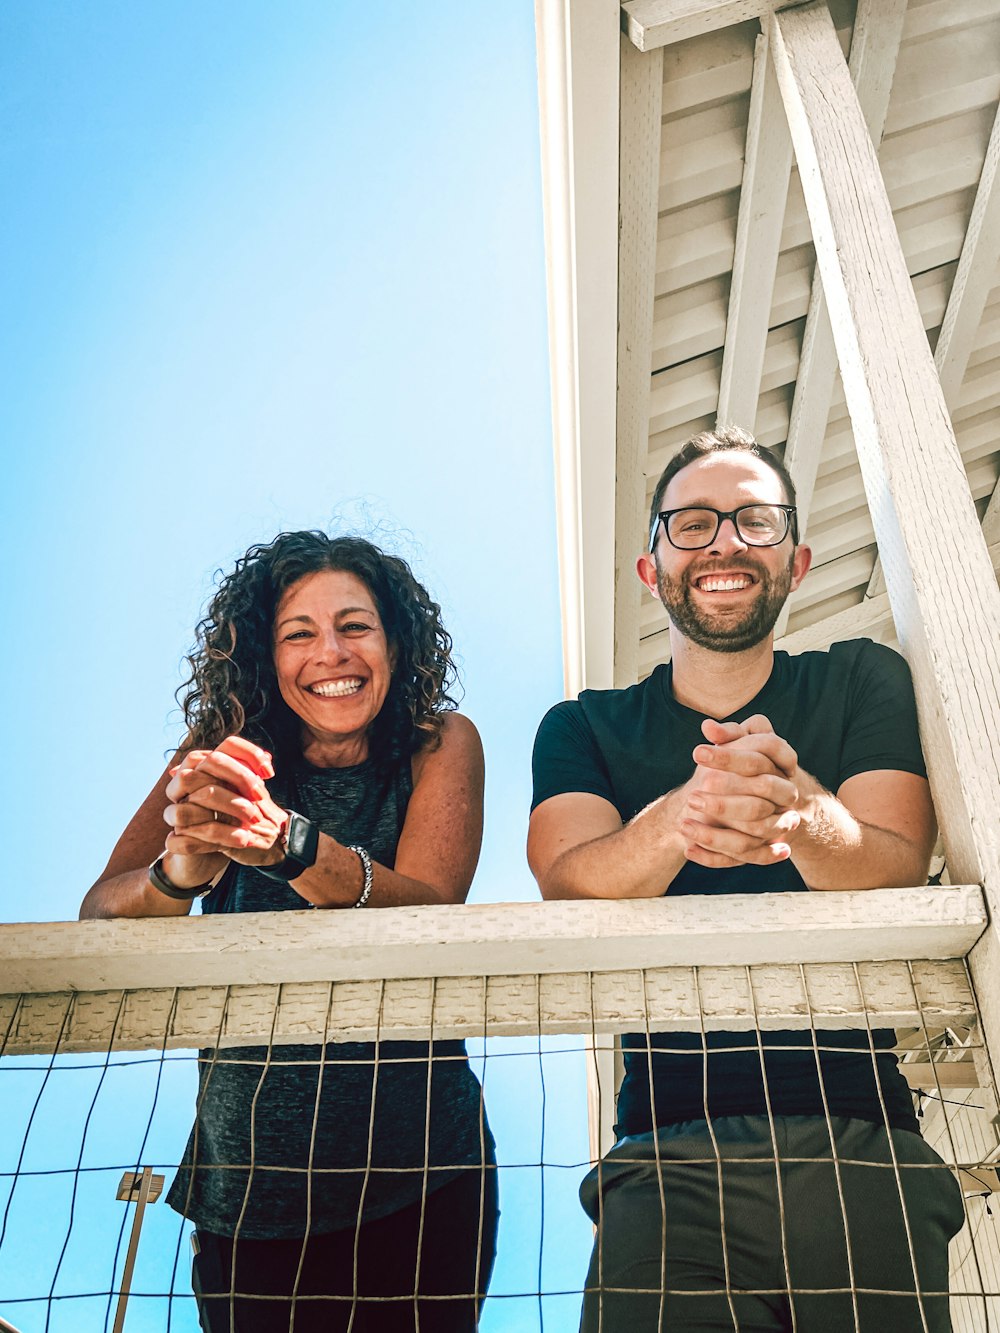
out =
column 335, row 689
column 723, row 585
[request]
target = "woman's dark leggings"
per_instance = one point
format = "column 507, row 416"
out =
column 457, row 1245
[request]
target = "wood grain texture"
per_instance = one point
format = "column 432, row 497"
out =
column 489, row 939
column 672, row 999
column 867, row 619
column 654, row 23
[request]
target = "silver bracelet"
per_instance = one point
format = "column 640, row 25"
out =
column 366, row 866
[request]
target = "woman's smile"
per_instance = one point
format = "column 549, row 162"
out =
column 336, row 689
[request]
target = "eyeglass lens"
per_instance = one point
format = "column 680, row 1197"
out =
column 757, row 525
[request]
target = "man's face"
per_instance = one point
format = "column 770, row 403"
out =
column 728, row 596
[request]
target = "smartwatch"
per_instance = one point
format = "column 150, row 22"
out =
column 300, row 842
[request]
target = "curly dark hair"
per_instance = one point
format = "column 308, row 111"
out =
column 233, row 688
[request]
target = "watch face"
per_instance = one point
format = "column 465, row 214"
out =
column 301, row 841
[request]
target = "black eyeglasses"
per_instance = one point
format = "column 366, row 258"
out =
column 756, row 525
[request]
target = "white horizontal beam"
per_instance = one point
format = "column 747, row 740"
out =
column 653, row 23
column 923, row 1076
column 869, row 617
column 490, row 939
column 674, row 999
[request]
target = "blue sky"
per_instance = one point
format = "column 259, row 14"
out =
column 266, row 268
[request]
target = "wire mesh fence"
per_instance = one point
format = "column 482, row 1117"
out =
column 97, row 1084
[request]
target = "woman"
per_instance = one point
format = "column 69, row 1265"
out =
column 324, row 767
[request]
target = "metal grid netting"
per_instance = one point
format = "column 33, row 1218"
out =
column 76, row 1122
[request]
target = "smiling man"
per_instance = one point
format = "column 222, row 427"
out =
column 738, row 769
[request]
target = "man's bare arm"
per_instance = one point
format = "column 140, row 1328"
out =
column 578, row 848
column 877, row 832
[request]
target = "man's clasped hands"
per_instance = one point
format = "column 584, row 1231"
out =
column 742, row 802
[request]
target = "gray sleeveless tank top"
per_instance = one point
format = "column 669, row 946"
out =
column 264, row 1116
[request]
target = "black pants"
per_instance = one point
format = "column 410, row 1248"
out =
column 457, row 1246
column 668, row 1259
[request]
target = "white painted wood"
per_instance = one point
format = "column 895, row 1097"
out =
column 923, row 1076
column 878, row 30
column 578, row 63
column 939, row 577
column 488, row 939
column 763, row 196
column 991, row 518
column 602, row 1092
column 639, row 131
column 672, row 999
column 639, row 182
column 653, row 23
column 866, row 619
column 974, row 278
column 977, row 268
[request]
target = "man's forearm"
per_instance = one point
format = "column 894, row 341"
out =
column 637, row 861
column 832, row 849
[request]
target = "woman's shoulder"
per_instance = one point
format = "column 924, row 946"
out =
column 457, row 742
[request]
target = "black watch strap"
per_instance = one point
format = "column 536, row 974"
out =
column 159, row 880
column 301, row 841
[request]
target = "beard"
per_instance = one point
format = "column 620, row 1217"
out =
column 725, row 632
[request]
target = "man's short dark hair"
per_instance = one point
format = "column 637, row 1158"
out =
column 720, row 440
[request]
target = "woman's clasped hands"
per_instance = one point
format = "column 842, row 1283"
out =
column 219, row 807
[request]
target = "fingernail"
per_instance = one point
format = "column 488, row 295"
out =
column 696, row 802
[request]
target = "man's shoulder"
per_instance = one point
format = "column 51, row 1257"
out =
column 622, row 702
column 847, row 656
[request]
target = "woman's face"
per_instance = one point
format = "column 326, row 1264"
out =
column 331, row 657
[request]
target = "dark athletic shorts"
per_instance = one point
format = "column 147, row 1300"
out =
column 457, row 1241
column 668, row 1258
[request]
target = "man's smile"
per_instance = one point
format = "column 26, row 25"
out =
column 727, row 582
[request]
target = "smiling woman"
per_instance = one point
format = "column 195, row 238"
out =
column 333, row 663
column 324, row 765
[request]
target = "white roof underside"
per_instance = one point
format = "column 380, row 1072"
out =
column 941, row 112
column 938, row 124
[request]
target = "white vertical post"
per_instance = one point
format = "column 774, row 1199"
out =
column 640, row 134
column 578, row 73
column 148, row 1186
column 939, row 577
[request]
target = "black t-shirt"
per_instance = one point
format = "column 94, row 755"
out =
column 845, row 712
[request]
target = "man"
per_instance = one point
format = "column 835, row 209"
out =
column 758, row 1183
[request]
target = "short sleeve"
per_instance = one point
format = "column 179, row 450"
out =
column 881, row 728
column 566, row 757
